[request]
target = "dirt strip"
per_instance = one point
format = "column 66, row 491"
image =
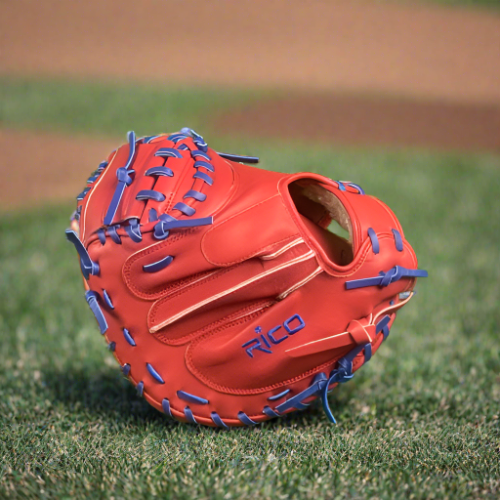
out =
column 368, row 120
column 38, row 167
column 440, row 53
column 41, row 168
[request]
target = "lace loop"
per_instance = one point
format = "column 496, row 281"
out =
column 167, row 222
column 124, row 180
column 386, row 278
column 339, row 376
column 87, row 265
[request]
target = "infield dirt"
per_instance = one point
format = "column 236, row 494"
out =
column 416, row 50
column 40, row 167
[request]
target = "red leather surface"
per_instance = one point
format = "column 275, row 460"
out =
column 259, row 264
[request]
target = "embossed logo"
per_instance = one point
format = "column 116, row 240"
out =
column 264, row 342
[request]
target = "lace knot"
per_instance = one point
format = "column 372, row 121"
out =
column 123, row 175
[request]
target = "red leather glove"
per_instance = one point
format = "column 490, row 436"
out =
column 218, row 286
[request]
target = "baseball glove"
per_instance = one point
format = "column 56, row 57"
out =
column 218, row 286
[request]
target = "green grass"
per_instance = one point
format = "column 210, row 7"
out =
column 421, row 420
column 110, row 108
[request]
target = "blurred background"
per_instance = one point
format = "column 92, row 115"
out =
column 401, row 97
column 376, row 73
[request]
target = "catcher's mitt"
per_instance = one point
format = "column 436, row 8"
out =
column 218, row 287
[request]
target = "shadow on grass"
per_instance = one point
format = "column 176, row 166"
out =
column 102, row 392
column 105, row 393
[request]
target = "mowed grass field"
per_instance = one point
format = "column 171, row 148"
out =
column 421, row 420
